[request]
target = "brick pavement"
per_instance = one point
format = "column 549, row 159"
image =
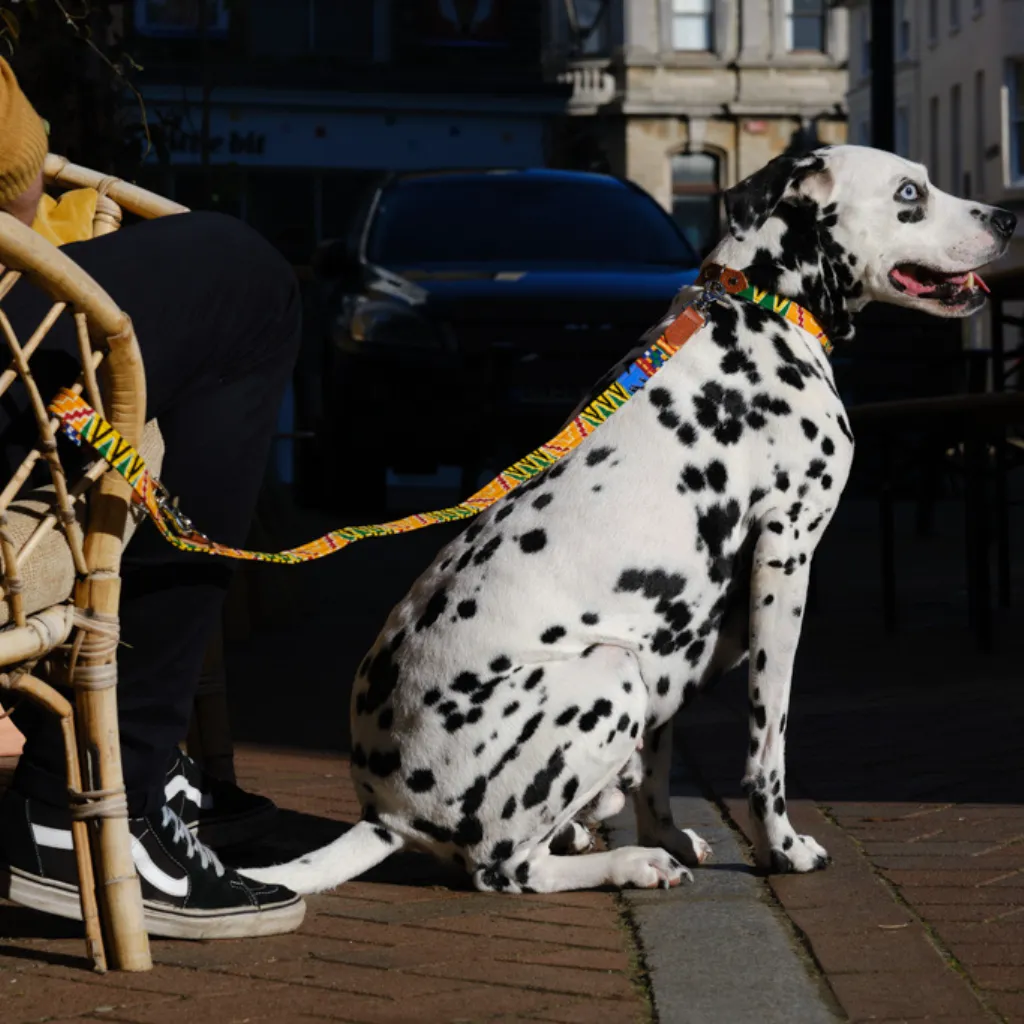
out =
column 408, row 943
column 905, row 761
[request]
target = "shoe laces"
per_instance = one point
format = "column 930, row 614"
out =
column 193, row 846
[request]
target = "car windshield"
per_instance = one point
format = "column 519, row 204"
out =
column 503, row 219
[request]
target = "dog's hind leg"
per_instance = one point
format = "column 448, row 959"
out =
column 778, row 592
column 542, row 871
column 654, row 823
column 362, row 847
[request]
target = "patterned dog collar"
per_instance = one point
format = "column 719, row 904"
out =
column 735, row 283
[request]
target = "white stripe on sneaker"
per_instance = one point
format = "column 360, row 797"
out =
column 52, row 838
column 154, row 874
column 179, row 784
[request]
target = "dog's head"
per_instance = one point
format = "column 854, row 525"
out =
column 845, row 225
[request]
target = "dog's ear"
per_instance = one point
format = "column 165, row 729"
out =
column 750, row 203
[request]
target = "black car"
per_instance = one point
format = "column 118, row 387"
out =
column 469, row 312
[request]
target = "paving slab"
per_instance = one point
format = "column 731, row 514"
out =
column 718, row 950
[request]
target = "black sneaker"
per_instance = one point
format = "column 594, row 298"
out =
column 216, row 812
column 187, row 892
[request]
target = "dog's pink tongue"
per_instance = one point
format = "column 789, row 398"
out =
column 910, row 283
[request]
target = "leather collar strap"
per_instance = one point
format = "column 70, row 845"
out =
column 83, row 423
column 735, row 283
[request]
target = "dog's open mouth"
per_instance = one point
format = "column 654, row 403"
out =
column 925, row 283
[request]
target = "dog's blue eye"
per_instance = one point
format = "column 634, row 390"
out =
column 909, row 193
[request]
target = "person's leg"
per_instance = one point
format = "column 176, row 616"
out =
column 216, row 310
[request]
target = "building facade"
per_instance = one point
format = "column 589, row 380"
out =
column 688, row 97
column 282, row 119
column 959, row 98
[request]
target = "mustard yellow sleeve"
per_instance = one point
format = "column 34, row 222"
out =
column 67, row 219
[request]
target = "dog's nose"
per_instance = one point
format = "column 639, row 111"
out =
column 1004, row 222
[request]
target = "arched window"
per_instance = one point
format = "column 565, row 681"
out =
column 695, row 197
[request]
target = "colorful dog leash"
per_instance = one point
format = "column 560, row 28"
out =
column 82, row 423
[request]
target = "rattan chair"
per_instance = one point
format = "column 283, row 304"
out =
column 61, row 566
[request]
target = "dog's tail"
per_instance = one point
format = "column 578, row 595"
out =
column 362, row 847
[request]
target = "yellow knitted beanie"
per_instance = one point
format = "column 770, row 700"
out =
column 23, row 141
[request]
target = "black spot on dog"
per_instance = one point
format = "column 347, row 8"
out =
column 662, row 686
column 816, row 468
column 762, row 660
column 552, row 634
column 466, row 609
column 598, row 455
column 602, row 709
column 569, row 790
column 510, row 709
column 421, row 780
column 533, row 678
column 438, row 832
column 465, row 682
column 827, row 446
column 809, row 428
column 501, row 850
column 382, row 676
column 533, row 541
column 539, row 789
column 384, row 763
column 780, row 805
column 567, row 715
column 504, row 512
column 542, row 501
column 659, row 397
column 465, row 559
column 717, row 476
column 694, row 651
column 589, row 618
column 759, row 714
column 715, row 525
column 914, row 216
column 687, row 435
column 693, row 478
column 486, row 553
column 509, row 809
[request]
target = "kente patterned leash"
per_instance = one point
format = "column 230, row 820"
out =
column 82, row 423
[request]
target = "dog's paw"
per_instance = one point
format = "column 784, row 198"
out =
column 683, row 843
column 574, row 838
column 803, row 854
column 648, row 869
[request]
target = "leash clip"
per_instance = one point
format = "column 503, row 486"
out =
column 169, row 507
column 714, row 291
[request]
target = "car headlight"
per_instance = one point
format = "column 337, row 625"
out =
column 373, row 322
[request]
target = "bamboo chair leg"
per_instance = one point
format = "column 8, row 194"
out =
column 94, row 676
column 44, row 694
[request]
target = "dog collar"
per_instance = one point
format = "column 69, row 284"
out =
column 735, row 283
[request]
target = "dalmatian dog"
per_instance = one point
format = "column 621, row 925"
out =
column 533, row 671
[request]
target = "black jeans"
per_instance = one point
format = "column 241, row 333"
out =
column 217, row 314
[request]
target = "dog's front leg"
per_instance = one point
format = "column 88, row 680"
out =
column 778, row 591
column 654, row 823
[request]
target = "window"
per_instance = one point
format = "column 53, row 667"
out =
column 979, row 132
column 865, row 43
column 902, row 132
column 693, row 25
column 954, row 15
column 805, row 25
column 903, row 29
column 588, row 27
column 695, row 200
column 179, row 17
column 956, row 162
column 322, row 27
column 1016, row 126
column 933, row 139
column 933, row 20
